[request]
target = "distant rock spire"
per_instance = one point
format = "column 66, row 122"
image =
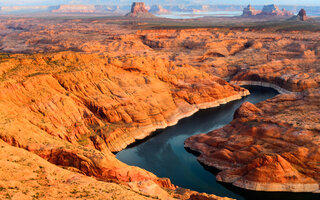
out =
column 302, row 15
column 139, row 10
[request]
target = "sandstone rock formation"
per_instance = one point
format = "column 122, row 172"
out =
column 268, row 138
column 123, row 107
column 72, row 109
column 139, row 10
column 24, row 175
column 302, row 15
column 268, row 10
column 250, row 11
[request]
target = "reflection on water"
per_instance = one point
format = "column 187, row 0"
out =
column 164, row 153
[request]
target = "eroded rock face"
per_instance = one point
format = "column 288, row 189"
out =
column 24, row 175
column 271, row 146
column 268, row 147
column 73, row 109
column 120, row 99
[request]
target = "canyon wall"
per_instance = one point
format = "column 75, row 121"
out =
column 104, row 85
column 73, row 109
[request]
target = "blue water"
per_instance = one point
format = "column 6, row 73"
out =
column 164, row 153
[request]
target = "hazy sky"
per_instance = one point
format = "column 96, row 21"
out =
column 115, row 2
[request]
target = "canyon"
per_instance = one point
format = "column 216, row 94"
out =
column 74, row 90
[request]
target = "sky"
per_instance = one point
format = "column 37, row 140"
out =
column 165, row 2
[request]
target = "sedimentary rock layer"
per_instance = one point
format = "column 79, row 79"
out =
column 25, row 175
column 73, row 109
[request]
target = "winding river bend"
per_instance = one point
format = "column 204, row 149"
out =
column 164, row 153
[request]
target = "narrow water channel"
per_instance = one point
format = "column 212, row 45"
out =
column 164, row 153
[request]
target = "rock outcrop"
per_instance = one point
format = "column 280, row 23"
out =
column 120, row 108
column 268, row 10
column 24, row 175
column 139, row 10
column 302, row 15
column 250, row 11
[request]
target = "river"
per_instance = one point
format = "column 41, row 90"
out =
column 164, row 154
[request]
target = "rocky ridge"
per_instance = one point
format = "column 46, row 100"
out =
column 73, row 109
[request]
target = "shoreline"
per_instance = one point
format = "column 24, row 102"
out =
column 265, row 84
column 146, row 131
column 256, row 186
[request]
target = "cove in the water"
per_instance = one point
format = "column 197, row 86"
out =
column 164, row 154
